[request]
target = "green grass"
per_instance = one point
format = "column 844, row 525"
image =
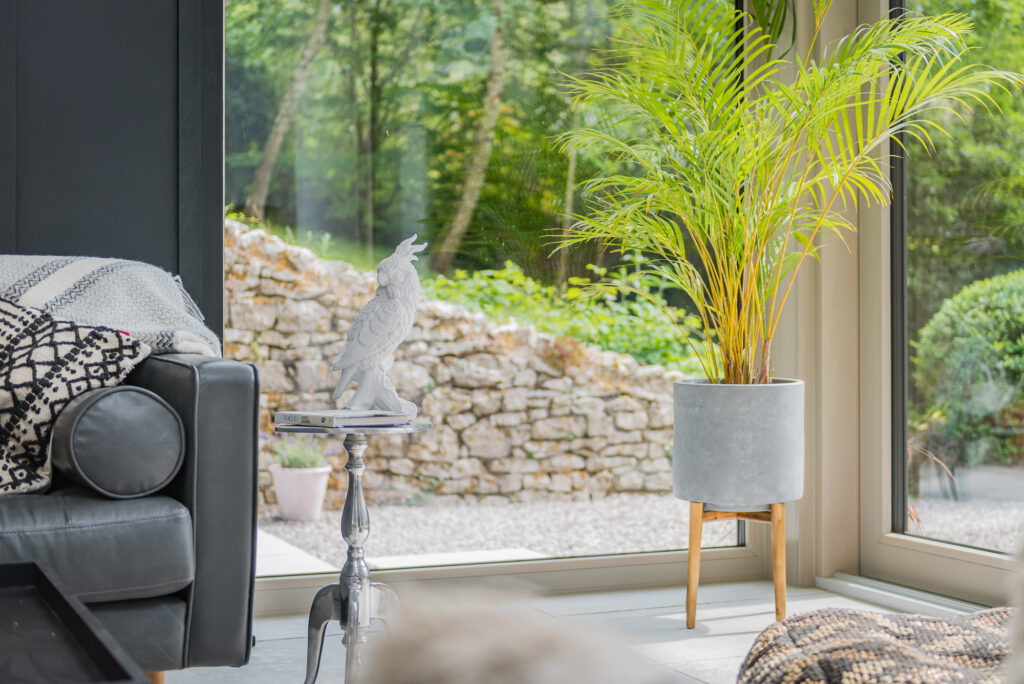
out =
column 324, row 245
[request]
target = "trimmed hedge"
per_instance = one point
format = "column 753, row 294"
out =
column 969, row 364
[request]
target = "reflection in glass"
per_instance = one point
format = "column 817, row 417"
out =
column 351, row 126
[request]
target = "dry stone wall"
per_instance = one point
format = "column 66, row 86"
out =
column 518, row 415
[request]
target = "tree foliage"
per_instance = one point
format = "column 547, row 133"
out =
column 385, row 128
column 741, row 170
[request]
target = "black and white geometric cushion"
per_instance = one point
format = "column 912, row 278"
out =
column 44, row 364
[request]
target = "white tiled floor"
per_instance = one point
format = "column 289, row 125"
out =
column 651, row 621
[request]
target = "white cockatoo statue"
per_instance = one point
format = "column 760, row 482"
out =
column 376, row 332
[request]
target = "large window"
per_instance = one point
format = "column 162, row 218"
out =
column 958, row 471
column 350, row 127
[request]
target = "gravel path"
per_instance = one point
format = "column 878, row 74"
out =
column 996, row 525
column 615, row 524
column 619, row 523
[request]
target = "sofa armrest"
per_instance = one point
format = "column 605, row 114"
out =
column 218, row 402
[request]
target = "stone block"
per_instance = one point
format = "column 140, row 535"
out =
column 514, row 399
column 401, row 466
column 486, row 441
column 658, row 482
column 599, row 463
column 410, row 380
column 443, row 401
column 305, row 316
column 536, row 481
column 660, row 415
column 560, row 482
column 624, row 402
column 462, row 486
column 486, row 402
column 512, row 482
column 599, row 425
column 624, row 437
column 465, row 467
column 629, row 481
column 631, row 420
column 557, row 384
column 313, row 376
column 486, row 485
column 586, row 406
column 539, row 398
column 469, row 373
column 433, row 470
column 274, row 377
column 439, row 444
column 656, row 465
column 527, row 377
column 460, row 421
column 563, row 462
column 560, row 427
column 512, row 419
column 253, row 313
column 514, row 465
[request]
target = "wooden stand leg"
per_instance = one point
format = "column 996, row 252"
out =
column 779, row 558
column 156, row 677
column 693, row 562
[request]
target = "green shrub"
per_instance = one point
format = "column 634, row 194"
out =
column 969, row 364
column 629, row 325
column 302, row 451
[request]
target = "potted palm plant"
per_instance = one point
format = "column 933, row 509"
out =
column 736, row 163
column 300, row 477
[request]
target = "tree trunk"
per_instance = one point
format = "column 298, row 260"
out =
column 570, row 194
column 570, row 172
column 354, row 69
column 477, row 171
column 256, row 203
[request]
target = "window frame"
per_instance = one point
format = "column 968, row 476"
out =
column 887, row 553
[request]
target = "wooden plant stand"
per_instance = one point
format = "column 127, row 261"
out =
column 698, row 516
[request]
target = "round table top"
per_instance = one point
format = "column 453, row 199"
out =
column 415, row 426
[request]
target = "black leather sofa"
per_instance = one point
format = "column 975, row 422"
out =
column 169, row 574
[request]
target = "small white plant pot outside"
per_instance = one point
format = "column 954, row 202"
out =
column 738, row 447
column 300, row 491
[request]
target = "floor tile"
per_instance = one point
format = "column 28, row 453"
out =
column 649, row 621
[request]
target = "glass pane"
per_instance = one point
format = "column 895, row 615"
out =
column 965, row 282
column 552, row 424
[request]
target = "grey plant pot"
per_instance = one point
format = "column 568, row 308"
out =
column 738, row 447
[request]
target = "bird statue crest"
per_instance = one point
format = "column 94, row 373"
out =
column 376, row 332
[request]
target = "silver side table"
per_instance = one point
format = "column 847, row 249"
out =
column 354, row 600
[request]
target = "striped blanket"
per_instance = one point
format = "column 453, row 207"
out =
column 140, row 299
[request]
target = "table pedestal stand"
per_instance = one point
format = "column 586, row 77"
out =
column 776, row 515
column 354, row 600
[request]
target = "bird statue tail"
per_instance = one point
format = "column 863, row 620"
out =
column 407, row 249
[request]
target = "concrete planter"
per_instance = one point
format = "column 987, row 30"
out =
column 738, row 447
column 300, row 491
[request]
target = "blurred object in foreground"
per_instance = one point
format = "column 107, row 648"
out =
column 490, row 638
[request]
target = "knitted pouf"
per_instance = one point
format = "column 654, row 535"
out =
column 849, row 646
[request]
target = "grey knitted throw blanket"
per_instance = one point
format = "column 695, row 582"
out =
column 140, row 299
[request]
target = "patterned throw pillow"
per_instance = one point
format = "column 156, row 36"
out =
column 44, row 364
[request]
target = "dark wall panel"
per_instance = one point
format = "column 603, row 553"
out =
column 97, row 120
column 111, row 134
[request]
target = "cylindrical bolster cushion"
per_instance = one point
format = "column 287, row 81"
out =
column 122, row 442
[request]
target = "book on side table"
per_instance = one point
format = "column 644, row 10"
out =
column 341, row 418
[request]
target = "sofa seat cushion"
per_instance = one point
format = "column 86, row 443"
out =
column 854, row 646
column 103, row 549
